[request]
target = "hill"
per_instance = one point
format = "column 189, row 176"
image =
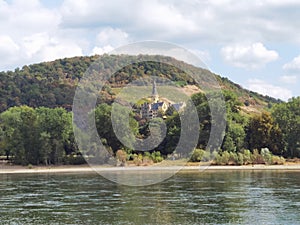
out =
column 52, row 84
column 40, row 129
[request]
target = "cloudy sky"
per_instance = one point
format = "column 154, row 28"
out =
column 254, row 43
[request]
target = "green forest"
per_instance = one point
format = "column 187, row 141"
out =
column 36, row 117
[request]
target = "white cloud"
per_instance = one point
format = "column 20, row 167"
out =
column 218, row 21
column 292, row 72
column 32, row 32
column 248, row 56
column 59, row 49
column 102, row 50
column 7, row 46
column 293, row 66
column 265, row 88
column 119, row 22
column 34, row 43
column 164, row 19
column 25, row 17
column 44, row 47
column 109, row 39
column 110, row 36
column 289, row 79
column 8, row 50
column 25, row 25
column 94, row 13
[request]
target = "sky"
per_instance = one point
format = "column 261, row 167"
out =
column 254, row 43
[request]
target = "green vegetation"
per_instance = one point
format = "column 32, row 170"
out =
column 37, row 136
column 36, row 122
column 52, row 84
column 244, row 157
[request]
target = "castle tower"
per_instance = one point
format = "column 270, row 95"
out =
column 154, row 94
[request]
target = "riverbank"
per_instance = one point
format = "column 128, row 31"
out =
column 90, row 169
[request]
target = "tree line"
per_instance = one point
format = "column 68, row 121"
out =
column 43, row 136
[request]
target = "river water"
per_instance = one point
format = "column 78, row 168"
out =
column 210, row 197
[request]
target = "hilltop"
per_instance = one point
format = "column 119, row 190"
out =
column 52, row 84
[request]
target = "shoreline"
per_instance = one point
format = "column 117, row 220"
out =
column 157, row 168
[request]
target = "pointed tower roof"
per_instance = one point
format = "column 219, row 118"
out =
column 154, row 90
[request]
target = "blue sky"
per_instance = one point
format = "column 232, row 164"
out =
column 253, row 43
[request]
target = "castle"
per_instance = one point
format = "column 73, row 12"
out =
column 157, row 106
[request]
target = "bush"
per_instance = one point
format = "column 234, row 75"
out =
column 147, row 161
column 233, row 158
column 156, row 157
column 257, row 158
column 74, row 159
column 138, row 159
column 266, row 155
column 121, row 157
column 240, row 158
column 278, row 160
column 147, row 154
column 225, row 158
column 247, row 157
column 217, row 159
column 207, row 156
column 197, row 155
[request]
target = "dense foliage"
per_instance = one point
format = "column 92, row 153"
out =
column 52, row 84
column 36, row 122
column 45, row 136
column 37, row 136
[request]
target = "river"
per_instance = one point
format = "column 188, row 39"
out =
column 209, row 197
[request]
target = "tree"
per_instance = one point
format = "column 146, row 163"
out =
column 55, row 130
column 262, row 132
column 20, row 134
column 105, row 129
column 234, row 138
column 287, row 117
column 235, row 129
column 35, row 136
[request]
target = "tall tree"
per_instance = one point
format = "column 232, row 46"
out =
column 287, row 116
column 262, row 132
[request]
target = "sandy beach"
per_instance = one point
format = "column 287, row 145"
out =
column 93, row 169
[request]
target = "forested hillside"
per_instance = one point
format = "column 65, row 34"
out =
column 36, row 119
column 52, row 84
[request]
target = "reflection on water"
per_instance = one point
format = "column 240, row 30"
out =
column 229, row 197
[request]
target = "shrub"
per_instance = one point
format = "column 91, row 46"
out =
column 121, row 157
column 147, row 154
column 233, row 158
column 257, row 158
column 207, row 156
column 225, row 158
column 278, row 160
column 217, row 158
column 156, row 157
column 266, row 155
column 138, row 159
column 247, row 156
column 214, row 154
column 147, row 161
column 240, row 158
column 74, row 159
column 197, row 155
